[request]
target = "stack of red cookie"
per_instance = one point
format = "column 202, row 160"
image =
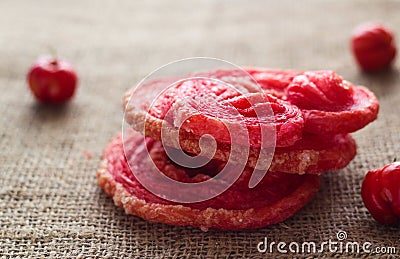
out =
column 309, row 113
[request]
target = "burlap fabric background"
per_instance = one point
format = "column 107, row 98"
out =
column 50, row 205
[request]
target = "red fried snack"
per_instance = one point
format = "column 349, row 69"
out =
column 269, row 80
column 331, row 105
column 262, row 115
column 315, row 154
column 277, row 197
column 225, row 115
column 202, row 106
column 273, row 80
column 312, row 154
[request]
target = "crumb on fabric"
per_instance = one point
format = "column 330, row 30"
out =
column 88, row 154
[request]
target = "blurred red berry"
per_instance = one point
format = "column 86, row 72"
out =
column 380, row 192
column 52, row 80
column 373, row 46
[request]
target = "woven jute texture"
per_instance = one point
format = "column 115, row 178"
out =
column 50, row 204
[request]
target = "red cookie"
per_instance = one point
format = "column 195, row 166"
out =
column 203, row 106
column 269, row 80
column 277, row 197
column 275, row 81
column 312, row 154
column 315, row 154
column 328, row 104
column 331, row 105
column 309, row 113
column 243, row 120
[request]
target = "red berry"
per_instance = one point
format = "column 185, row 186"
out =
column 373, row 46
column 52, row 80
column 381, row 193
